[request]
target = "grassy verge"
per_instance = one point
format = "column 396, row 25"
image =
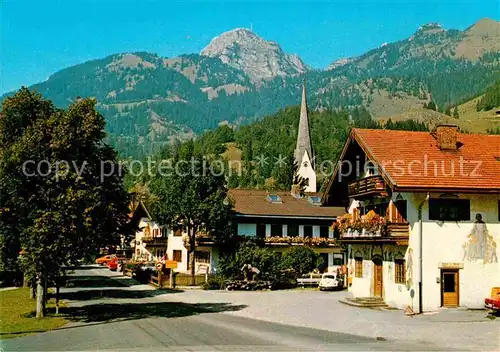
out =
column 17, row 315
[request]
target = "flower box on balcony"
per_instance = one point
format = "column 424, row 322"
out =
column 306, row 241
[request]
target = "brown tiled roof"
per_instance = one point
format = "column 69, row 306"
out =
column 254, row 202
column 478, row 154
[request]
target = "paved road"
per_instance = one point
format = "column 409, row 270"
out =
column 116, row 315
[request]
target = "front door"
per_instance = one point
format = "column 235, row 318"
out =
column 377, row 271
column 449, row 288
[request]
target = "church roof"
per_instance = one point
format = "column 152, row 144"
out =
column 303, row 136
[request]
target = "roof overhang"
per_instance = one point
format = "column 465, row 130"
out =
column 239, row 215
column 353, row 137
column 446, row 190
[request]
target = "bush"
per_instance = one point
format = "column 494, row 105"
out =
column 214, row 283
column 302, row 260
column 267, row 261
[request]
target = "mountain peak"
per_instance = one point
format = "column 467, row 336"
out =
column 260, row 59
column 429, row 28
column 485, row 26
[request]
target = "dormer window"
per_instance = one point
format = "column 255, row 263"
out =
column 274, row 198
column 314, row 200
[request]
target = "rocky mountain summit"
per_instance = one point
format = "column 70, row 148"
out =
column 258, row 58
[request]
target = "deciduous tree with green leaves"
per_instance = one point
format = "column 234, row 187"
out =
column 61, row 186
column 193, row 198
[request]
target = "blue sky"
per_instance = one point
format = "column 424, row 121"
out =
column 40, row 38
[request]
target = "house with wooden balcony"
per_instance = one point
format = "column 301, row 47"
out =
column 151, row 238
column 423, row 219
column 155, row 242
column 285, row 219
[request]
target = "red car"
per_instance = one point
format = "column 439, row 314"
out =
column 493, row 302
column 113, row 263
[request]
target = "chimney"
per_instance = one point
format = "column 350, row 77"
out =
column 446, row 136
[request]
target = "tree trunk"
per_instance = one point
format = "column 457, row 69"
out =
column 32, row 284
column 57, row 299
column 40, row 312
column 192, row 239
column 45, row 295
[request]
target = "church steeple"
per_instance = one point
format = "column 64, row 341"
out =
column 304, row 156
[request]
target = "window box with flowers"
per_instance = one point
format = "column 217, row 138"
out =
column 306, row 241
column 369, row 225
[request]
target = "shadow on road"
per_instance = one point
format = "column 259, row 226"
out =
column 85, row 295
column 112, row 312
column 108, row 313
column 93, row 281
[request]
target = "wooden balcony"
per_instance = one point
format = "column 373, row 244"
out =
column 397, row 233
column 155, row 241
column 373, row 186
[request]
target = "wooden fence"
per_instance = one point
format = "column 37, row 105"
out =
column 160, row 280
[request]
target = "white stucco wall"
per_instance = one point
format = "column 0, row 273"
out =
column 443, row 243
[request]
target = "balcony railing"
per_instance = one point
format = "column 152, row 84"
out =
column 391, row 232
column 155, row 241
column 201, row 240
column 368, row 186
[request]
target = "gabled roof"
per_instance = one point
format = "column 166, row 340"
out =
column 252, row 202
column 413, row 161
column 138, row 210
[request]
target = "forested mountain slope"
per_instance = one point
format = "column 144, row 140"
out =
column 149, row 100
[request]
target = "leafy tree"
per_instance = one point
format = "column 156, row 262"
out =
column 455, row 112
column 63, row 184
column 249, row 252
column 302, row 259
column 193, row 199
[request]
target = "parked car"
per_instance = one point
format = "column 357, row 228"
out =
column 116, row 262
column 493, row 302
column 329, row 281
column 105, row 259
column 310, row 279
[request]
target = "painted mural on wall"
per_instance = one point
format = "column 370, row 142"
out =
column 480, row 245
column 409, row 269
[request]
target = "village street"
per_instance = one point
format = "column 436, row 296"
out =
column 112, row 313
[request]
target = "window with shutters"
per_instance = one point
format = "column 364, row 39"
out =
column 449, row 209
column 358, row 266
column 177, row 255
column 400, row 271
